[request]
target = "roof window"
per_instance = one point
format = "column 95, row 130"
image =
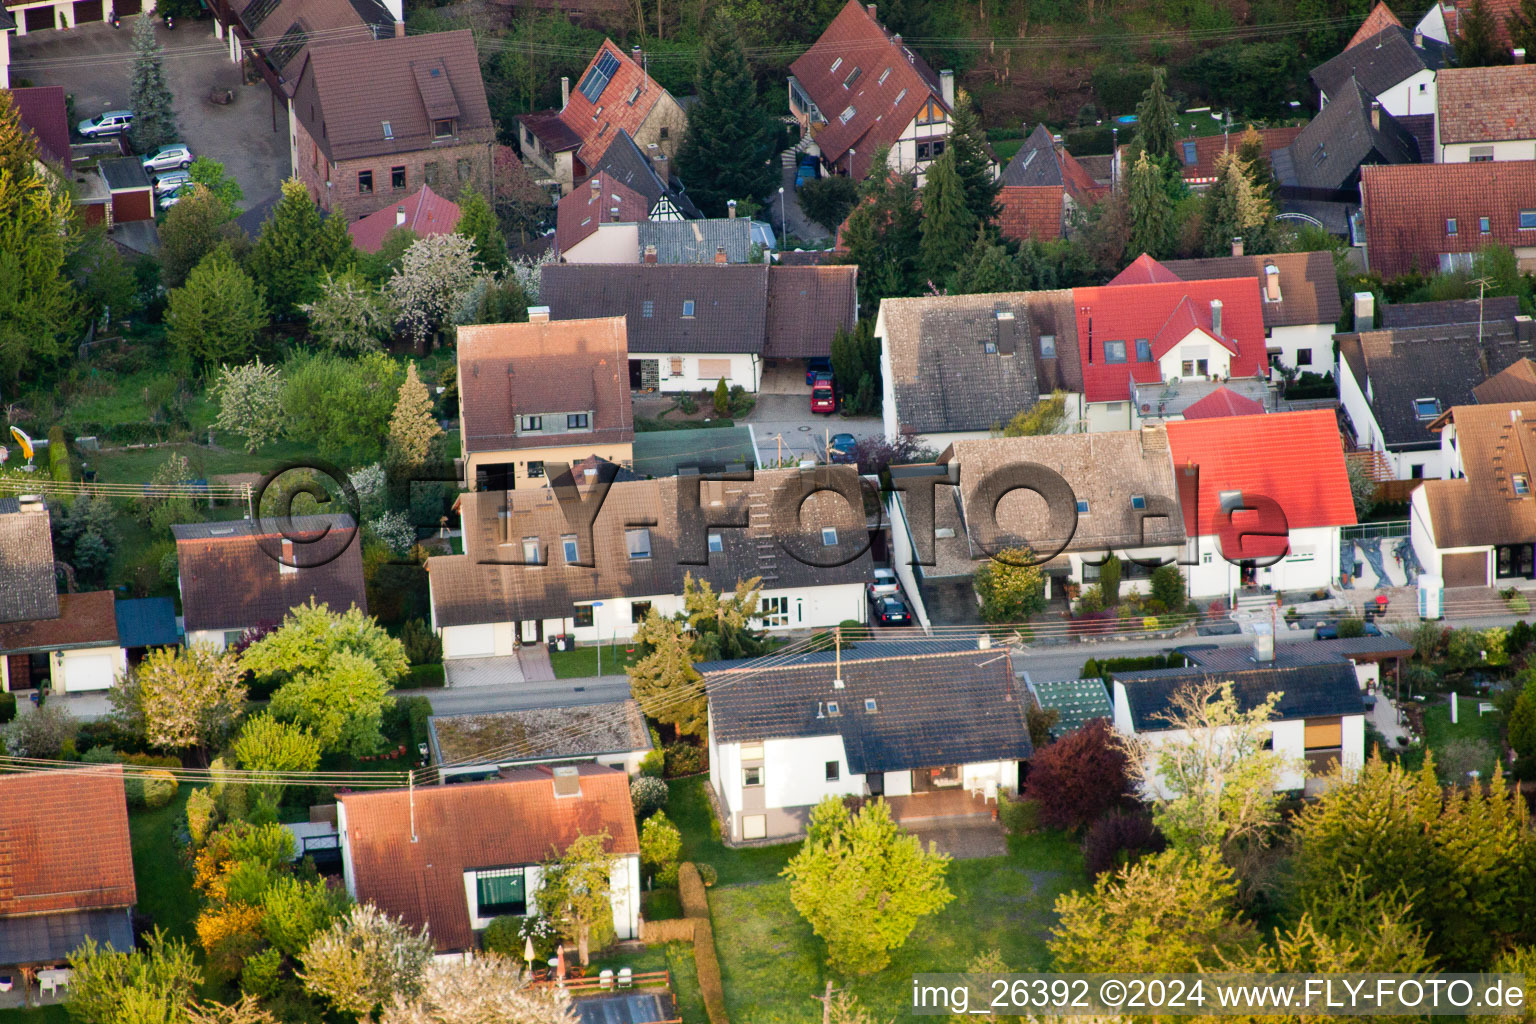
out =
column 833, row 708
column 899, row 97
column 853, row 76
column 1450, row 225
column 837, row 64
column 1522, row 483
column 1190, row 157
column 883, row 76
column 870, row 705
column 688, row 307
column 389, row 132
column 1138, row 502
column 847, row 115
column 1426, row 408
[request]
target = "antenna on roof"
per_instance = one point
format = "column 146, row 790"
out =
column 837, row 643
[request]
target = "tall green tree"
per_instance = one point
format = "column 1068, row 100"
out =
column 829, row 200
column 1156, row 131
column 1152, row 223
column 413, row 430
column 341, row 406
column 193, row 228
column 1521, row 23
column 863, row 884
column 18, row 146
column 973, row 161
column 987, row 267
column 662, row 677
column 216, row 316
column 1477, row 37
column 266, row 744
column 1236, row 208
column 948, row 226
column 1011, row 589
column 154, row 121
column 37, row 307
column 210, row 174
column 729, row 148
column 575, row 893
column 883, row 235
column 856, row 366
column 287, row 257
column 351, row 315
column 721, row 622
column 478, row 224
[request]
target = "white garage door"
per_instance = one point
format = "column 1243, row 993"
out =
column 469, row 641
column 89, row 671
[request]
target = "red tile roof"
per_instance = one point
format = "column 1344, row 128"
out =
column 624, row 103
column 41, row 108
column 424, row 212
column 84, row 620
column 1209, row 147
column 1031, row 211
column 600, row 199
column 469, row 826
column 1381, row 17
column 1498, row 11
column 892, row 86
column 1166, row 312
column 1222, row 402
column 1407, row 208
column 1144, row 270
column 64, row 842
column 1494, row 104
column 1260, row 455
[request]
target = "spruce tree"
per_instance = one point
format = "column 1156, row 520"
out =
column 973, row 161
column 882, row 236
column 728, row 151
column 1235, row 208
column 478, row 224
column 1477, row 38
column 986, row 268
column 1155, row 130
column 286, row 258
column 335, row 250
column 1151, row 210
column 948, row 226
column 215, row 317
column 1521, row 23
column 18, row 147
column 413, row 431
column 154, row 120
column 1250, row 150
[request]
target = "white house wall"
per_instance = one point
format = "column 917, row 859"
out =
column 1461, row 152
column 1102, row 416
column 1196, row 345
column 92, row 668
column 1312, row 564
column 903, row 155
column 1413, row 95
column 745, row 370
column 1316, row 339
column 610, row 243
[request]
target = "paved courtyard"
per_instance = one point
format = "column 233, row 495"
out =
column 786, row 427
column 94, row 64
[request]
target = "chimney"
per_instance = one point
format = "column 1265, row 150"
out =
column 650, row 254
column 1375, row 115
column 896, row 38
column 720, row 254
column 1056, row 142
column 1365, row 311
column 947, row 88
column 635, row 53
column 565, row 92
column 1271, row 282
column 1216, row 315
column 538, row 314
column 567, row 781
column 1237, row 247
column 30, row 503
column 399, row 216
column 1517, row 55
column 731, row 208
column 1418, row 39
column 873, row 11
column 983, row 642
column 399, row 30
column 1264, row 648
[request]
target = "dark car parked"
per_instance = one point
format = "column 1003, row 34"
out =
column 1330, row 631
column 841, row 448
column 891, row 611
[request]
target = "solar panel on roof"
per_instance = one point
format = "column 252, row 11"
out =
column 598, row 78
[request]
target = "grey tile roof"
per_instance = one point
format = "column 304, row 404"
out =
column 697, row 241
column 1035, row 163
column 475, row 588
column 538, row 734
column 666, row 452
column 857, row 650
column 1378, row 63
column 930, row 710
column 1306, row 691
column 1449, row 311
column 1304, row 652
column 27, row 586
column 945, row 379
column 627, row 164
column 1330, row 149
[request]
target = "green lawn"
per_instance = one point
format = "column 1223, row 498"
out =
column 164, row 884
column 1439, row 732
column 138, row 465
column 54, row 1014
column 583, row 661
column 773, row 966
column 689, row 809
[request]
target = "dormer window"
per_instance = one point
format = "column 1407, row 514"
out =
column 530, row 423
column 442, row 128
column 1426, row 408
column 578, row 421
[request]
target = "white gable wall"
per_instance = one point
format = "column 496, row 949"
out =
column 1196, row 345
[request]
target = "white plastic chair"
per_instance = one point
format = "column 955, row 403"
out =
column 605, row 979
column 626, row 978
column 47, row 986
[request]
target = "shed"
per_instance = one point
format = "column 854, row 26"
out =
column 133, row 198
column 147, row 622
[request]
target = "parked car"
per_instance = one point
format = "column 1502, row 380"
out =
column 885, row 583
column 113, row 122
column 177, row 156
column 809, row 169
column 817, row 366
column 842, row 446
column 1330, row 631
column 823, row 397
column 171, row 181
column 891, row 611
column 171, row 199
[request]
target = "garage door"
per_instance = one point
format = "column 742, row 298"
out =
column 1468, row 569
column 87, row 11
column 1324, row 733
column 127, row 7
column 39, row 18
column 89, row 672
column 469, row 641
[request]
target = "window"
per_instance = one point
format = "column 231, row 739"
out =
column 389, row 132
column 688, row 307
column 648, row 308
column 442, row 128
column 581, row 616
column 568, row 544
column 1416, row 471
column 1143, row 350
column 1483, row 226
column 1205, row 558
column 1047, row 346
column 752, row 776
column 1082, row 507
column 233, row 636
column 1303, row 357
column 1190, row 159
column 930, row 150
column 1481, row 155
column 991, row 347
column 1451, row 262
column 1138, row 502
column 834, row 771
column 899, row 97
column 1522, row 483
column 397, row 178
column 638, row 543
column 1229, row 500
column 932, row 112
column 598, row 78
column 577, row 421
column 638, row 610
column 499, row 893
column 870, row 705
column 847, row 115
column 1528, row 220
column 429, row 172
column 1114, row 351
column 837, row 64
column 535, row 470
column 716, row 543
column 774, row 611
column 834, row 709
column 1450, row 225
column 531, row 551
column 1196, row 367
column 633, row 96
column 829, row 536
column 364, row 183
column 530, row 423
column 664, row 132
column 883, row 76
column 853, row 76
column 1426, row 408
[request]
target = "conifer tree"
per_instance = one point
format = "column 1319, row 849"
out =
column 727, row 153
column 1155, row 131
column 948, row 226
column 37, row 304
column 1151, row 209
column 1521, row 23
column 18, row 147
column 1250, row 150
column 973, row 162
column 882, row 235
column 214, row 318
column 478, row 224
column 286, row 259
column 154, row 121
column 413, row 431
column 1234, row 208
column 335, row 250
column 1477, row 37
column 987, row 267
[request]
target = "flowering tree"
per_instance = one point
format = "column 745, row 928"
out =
column 487, row 988
column 250, row 401
column 351, row 315
column 365, row 959
column 434, row 274
column 181, row 698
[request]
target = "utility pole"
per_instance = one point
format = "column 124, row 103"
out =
column 1482, row 284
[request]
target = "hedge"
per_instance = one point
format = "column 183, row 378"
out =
column 7, row 707
column 696, row 909
column 421, row 676
column 678, row 929
column 1102, row 667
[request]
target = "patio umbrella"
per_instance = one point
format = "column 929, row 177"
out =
column 528, row 953
column 560, row 961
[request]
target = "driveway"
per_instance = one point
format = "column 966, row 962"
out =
column 94, row 64
column 786, row 427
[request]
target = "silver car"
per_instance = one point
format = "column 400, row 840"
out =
column 169, row 158
column 170, row 181
column 170, row 200
column 113, row 122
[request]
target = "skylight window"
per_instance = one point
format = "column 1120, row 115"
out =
column 829, row 536
column 847, row 115
column 1114, row 351
column 1082, row 507
column 870, row 705
column 853, row 76
column 899, row 97
column 1522, row 483
column 833, row 708
column 716, row 544
column 1190, row 159
column 1450, row 225
column 883, row 76
column 1483, row 225
column 648, row 308
column 837, row 64
column 687, row 307
column 1143, row 350
column 389, row 132
column 1138, row 502
column 1426, row 408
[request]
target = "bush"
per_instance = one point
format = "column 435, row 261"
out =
column 1167, row 587
column 419, row 677
column 648, row 794
column 685, row 759
column 708, row 874
column 654, row 763
column 722, row 398
column 504, row 935
column 688, row 404
column 7, row 707
column 1120, row 838
column 406, row 721
column 1351, row 627
column 202, row 813
column 1079, row 777
column 261, row 971
column 660, row 845
column 1018, row 817
column 422, row 646
column 152, row 789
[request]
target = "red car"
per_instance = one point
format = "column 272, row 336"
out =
column 823, row 397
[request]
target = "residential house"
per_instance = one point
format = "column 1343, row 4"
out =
column 64, row 642
column 424, row 213
column 452, row 859
column 470, row 747
column 614, row 96
column 27, row 16
column 1319, row 172
column 936, row 729
column 1198, row 153
column 691, row 325
column 859, row 89
column 1486, row 114
column 68, row 865
column 522, row 576
column 650, row 173
column 1442, row 21
column 1045, row 191
column 1478, row 528
column 1319, row 719
column 371, row 122
column 274, row 38
column 542, row 392
column 962, row 366
column 1515, row 383
column 1298, row 294
column 1431, row 217
column 245, row 575
column 1395, row 66
column 1377, row 660
column 1234, row 474
column 1394, row 383
column 1151, row 344
column 607, row 222
column 42, row 111
column 1381, row 17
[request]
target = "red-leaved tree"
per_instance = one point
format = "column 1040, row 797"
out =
column 1079, row 777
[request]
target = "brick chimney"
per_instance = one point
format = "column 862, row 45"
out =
column 650, row 254
column 1216, row 315
column 636, row 53
column 538, row 314
column 872, row 9
column 731, row 208
column 1237, row 247
column 1271, row 282
column 1517, row 55
column 1375, row 115
column 720, row 254
column 399, row 30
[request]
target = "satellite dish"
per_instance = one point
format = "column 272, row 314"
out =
column 25, row 442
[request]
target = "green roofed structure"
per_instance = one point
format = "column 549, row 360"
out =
column 659, row 453
column 1076, row 702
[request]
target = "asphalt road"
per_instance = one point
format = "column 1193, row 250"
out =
column 515, row 697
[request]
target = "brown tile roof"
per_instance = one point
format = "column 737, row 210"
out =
column 230, row 579
column 64, row 842
column 424, row 213
column 893, row 85
column 601, row 199
column 26, row 564
column 41, row 109
column 550, row 130
column 806, row 306
column 623, row 103
column 1209, row 147
column 84, row 620
column 1498, row 11
column 348, row 91
column 1031, row 211
column 1408, row 208
column 1497, row 443
column 508, row 822
column 1515, row 383
column 542, row 368
column 1309, row 289
column 286, row 31
column 1381, row 17
column 478, row 587
column 1487, row 104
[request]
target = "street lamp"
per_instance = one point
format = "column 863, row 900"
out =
column 783, row 223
